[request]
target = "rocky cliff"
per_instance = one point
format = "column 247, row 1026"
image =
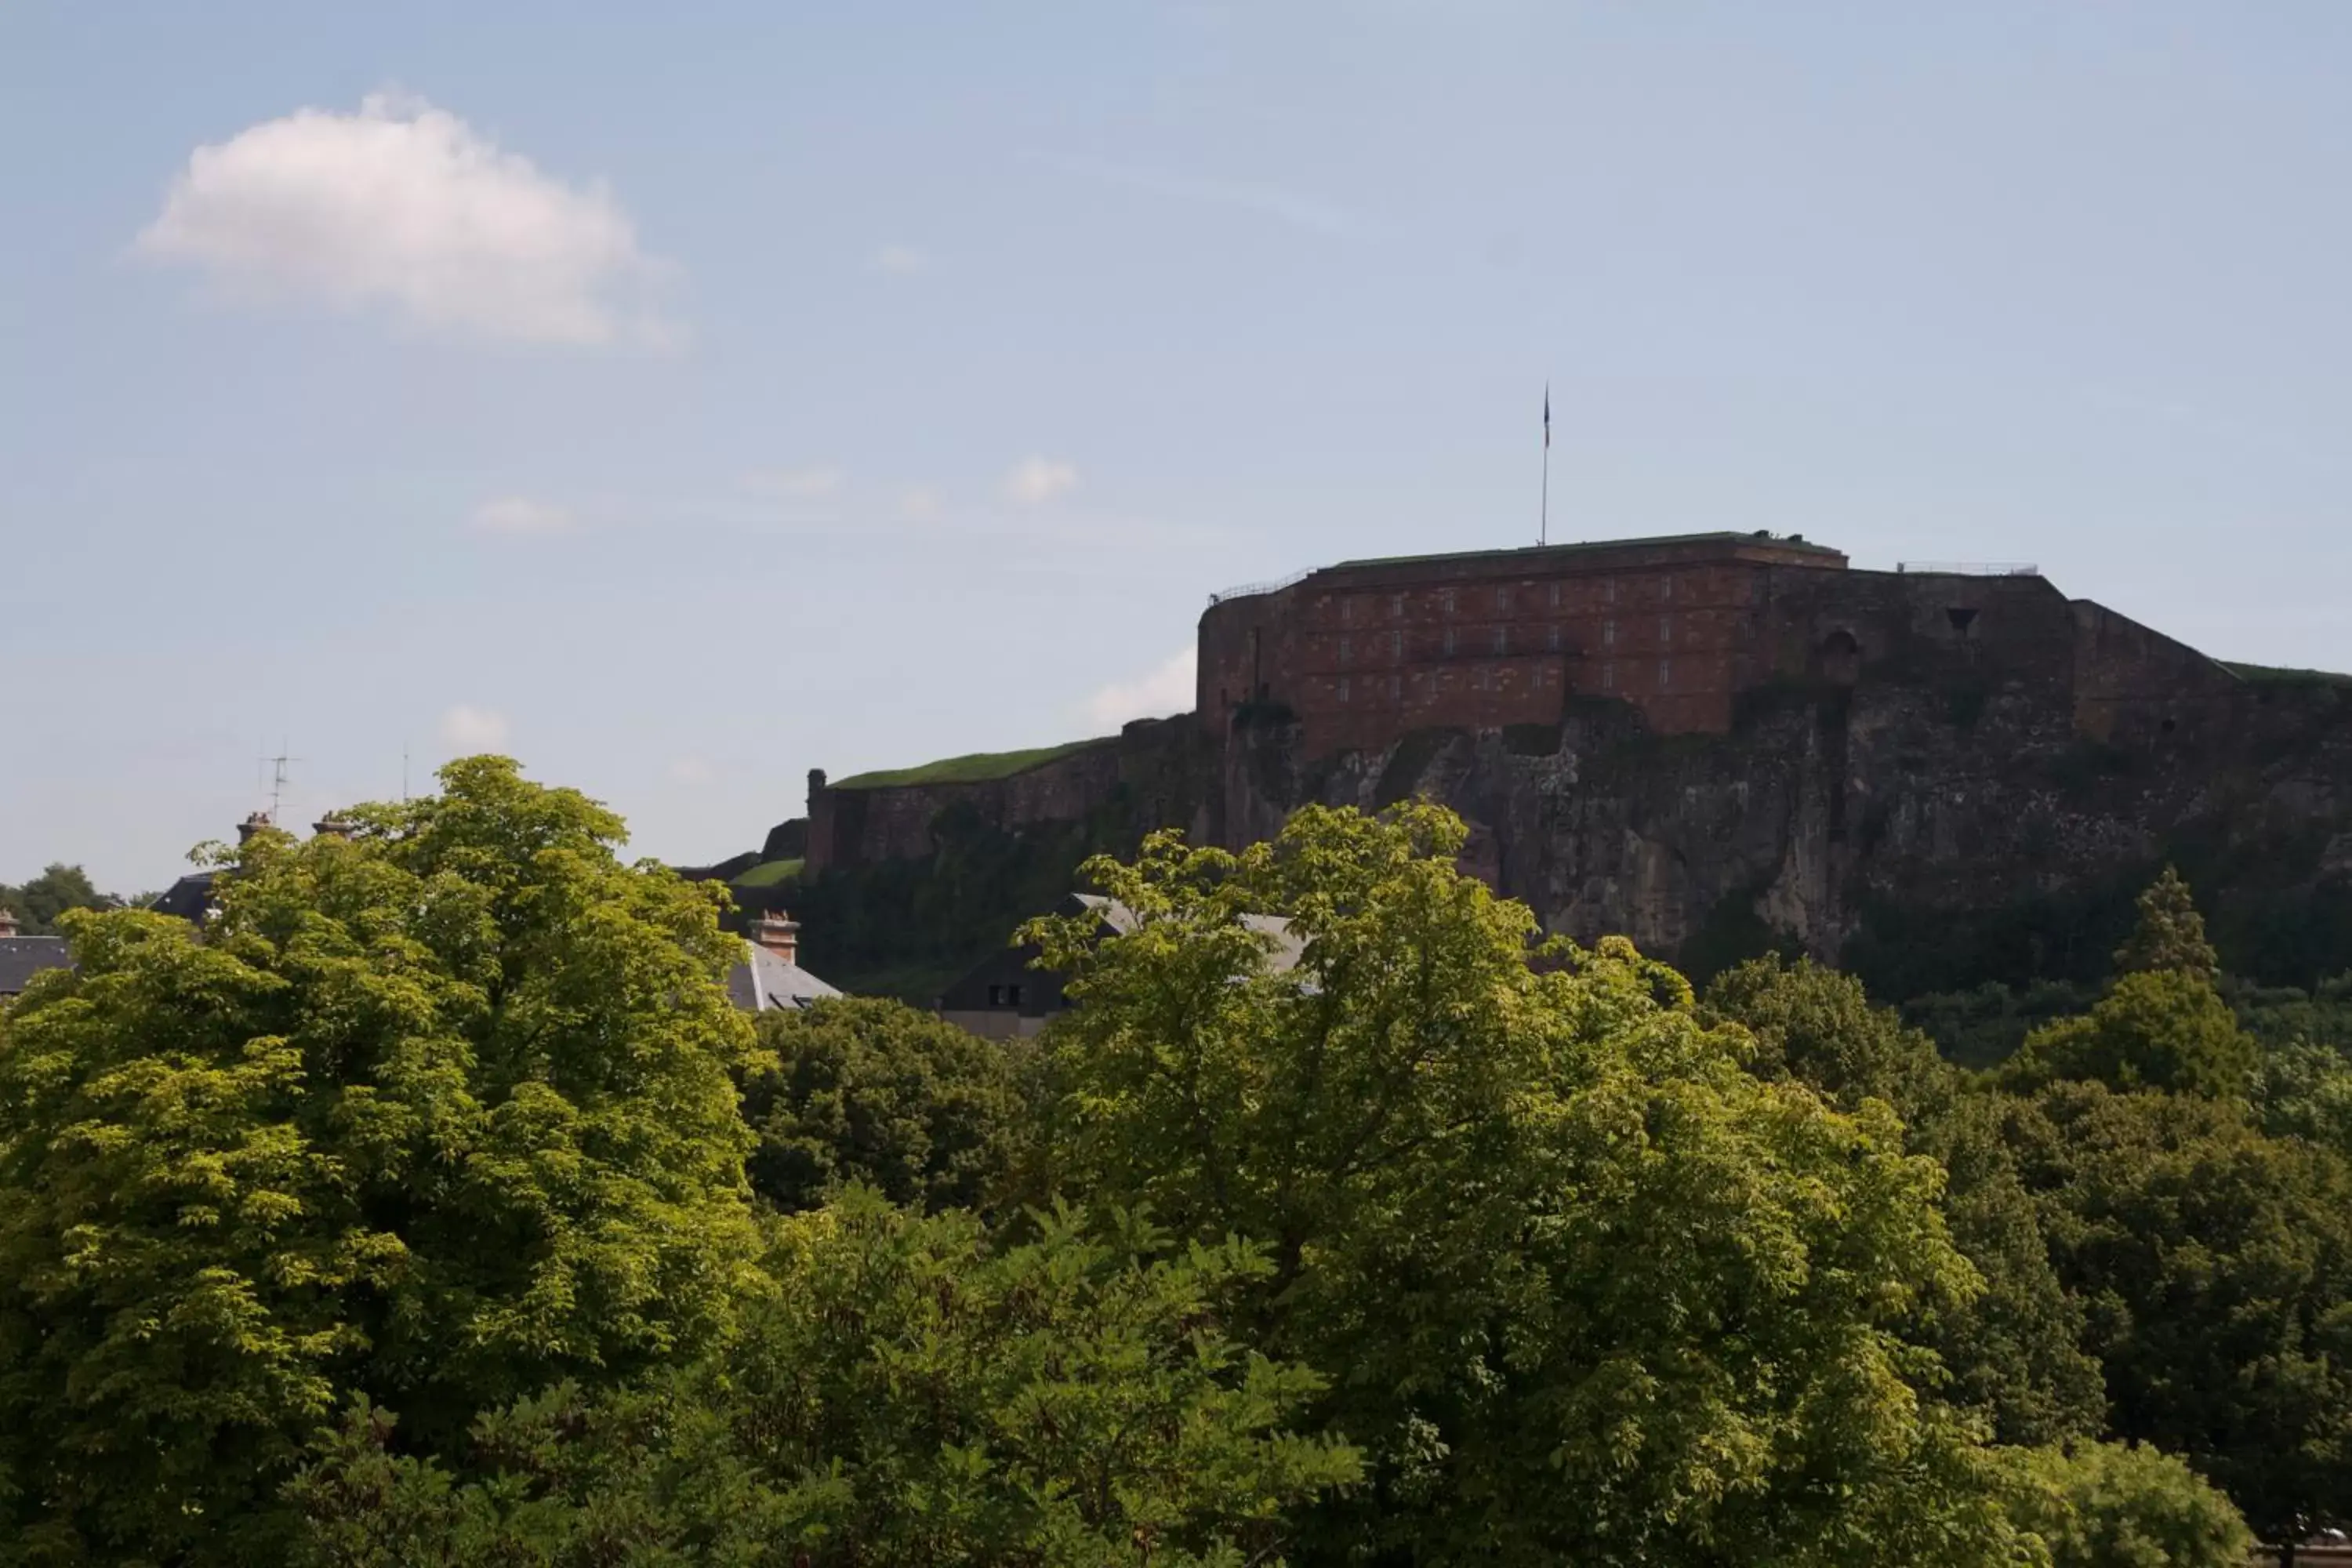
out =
column 1926, row 834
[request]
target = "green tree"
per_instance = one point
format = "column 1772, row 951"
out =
column 2303, row 1089
column 39, row 903
column 871, row 1090
column 2169, row 935
column 2162, row 1029
column 2214, row 1266
column 2163, row 1023
column 438, row 1112
column 903, row 1392
column 1590, row 1291
column 2117, row 1505
column 2012, row 1349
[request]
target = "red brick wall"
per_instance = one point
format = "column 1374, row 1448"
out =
column 1361, row 654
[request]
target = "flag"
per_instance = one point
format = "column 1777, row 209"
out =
column 1546, row 417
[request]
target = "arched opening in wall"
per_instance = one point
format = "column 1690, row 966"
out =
column 1840, row 660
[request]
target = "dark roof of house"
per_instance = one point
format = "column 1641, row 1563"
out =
column 22, row 957
column 189, row 898
column 1040, row 990
column 763, row 982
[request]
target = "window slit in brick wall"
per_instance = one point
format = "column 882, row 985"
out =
column 1449, row 601
column 1609, row 634
column 1346, row 649
column 1396, row 645
column 1666, row 673
column 1502, row 640
column 1666, row 631
column 1396, row 606
column 1555, row 640
column 1449, row 634
column 1343, row 688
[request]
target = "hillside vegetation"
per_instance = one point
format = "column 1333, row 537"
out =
column 980, row 767
column 431, row 1203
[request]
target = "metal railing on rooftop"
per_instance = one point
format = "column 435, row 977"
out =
column 1970, row 568
column 1251, row 589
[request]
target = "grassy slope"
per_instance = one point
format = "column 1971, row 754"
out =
column 2267, row 672
column 977, row 768
column 770, row 874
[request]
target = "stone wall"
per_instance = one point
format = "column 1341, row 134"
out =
column 1147, row 765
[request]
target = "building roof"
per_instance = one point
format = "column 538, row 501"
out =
column 1283, row 957
column 22, row 957
column 190, row 898
column 1600, row 546
column 1534, row 557
column 763, row 982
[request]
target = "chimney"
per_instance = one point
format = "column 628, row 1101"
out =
column 8, row 921
column 331, row 828
column 251, row 826
column 779, row 934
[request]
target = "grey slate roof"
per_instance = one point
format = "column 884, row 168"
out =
column 189, row 898
column 22, row 957
column 763, row 982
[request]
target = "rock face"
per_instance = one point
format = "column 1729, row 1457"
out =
column 1927, row 837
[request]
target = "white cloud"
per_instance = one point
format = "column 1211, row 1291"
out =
column 1306, row 212
column 471, row 729
column 800, row 484
column 691, row 771
column 919, row 503
column 1166, row 688
column 405, row 205
column 1035, row 480
column 517, row 514
column 900, row 260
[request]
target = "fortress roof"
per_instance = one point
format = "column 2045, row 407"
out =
column 1760, row 546
column 1536, row 555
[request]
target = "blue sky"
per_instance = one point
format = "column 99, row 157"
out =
column 682, row 397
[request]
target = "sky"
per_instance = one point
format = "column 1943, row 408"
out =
column 679, row 398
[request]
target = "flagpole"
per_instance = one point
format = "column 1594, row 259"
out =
column 1543, row 516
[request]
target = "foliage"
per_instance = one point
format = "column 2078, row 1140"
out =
column 437, row 1112
column 2215, row 1270
column 2163, row 1029
column 1597, row 1293
column 2118, row 1505
column 38, row 903
column 871, row 1091
column 1983, row 1027
column 1817, row 1026
column 980, row 767
column 2012, row 1348
column 2303, row 1089
column 2169, row 935
column 904, row 1393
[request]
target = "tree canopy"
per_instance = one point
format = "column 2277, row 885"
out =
column 40, row 902
column 902, row 1390
column 438, row 1112
column 430, row 1202
column 1600, row 1293
column 868, row 1090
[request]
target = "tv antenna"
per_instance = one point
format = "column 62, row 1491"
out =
column 278, row 766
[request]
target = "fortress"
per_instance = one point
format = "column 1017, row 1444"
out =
column 1679, row 629
column 1712, row 742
